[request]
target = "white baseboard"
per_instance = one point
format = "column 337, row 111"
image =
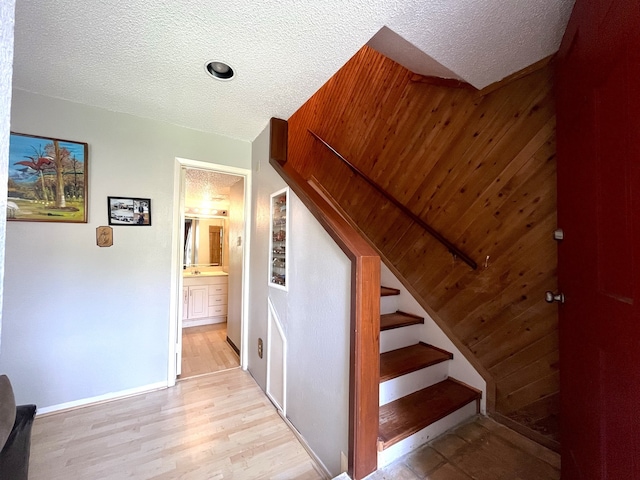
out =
column 197, row 322
column 107, row 397
column 306, row 446
column 342, row 476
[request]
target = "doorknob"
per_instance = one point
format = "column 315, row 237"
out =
column 551, row 297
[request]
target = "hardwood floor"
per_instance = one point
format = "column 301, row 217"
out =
column 222, row 425
column 209, row 427
column 480, row 450
column 205, row 350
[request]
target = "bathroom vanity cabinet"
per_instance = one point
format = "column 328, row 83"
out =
column 204, row 299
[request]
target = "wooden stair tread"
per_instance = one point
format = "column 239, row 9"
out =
column 398, row 319
column 388, row 291
column 408, row 415
column 409, row 359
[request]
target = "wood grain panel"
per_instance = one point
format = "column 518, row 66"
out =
column 480, row 168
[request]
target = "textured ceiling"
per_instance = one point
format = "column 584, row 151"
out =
column 205, row 189
column 147, row 57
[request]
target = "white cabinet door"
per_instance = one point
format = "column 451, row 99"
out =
column 198, row 301
column 185, row 303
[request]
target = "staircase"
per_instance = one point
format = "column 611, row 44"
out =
column 418, row 399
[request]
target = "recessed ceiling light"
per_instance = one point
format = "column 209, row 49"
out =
column 219, row 70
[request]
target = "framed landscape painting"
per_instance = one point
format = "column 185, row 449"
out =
column 47, row 179
column 129, row 211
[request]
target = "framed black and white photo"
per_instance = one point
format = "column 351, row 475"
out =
column 129, row 211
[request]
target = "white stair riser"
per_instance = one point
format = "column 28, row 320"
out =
column 388, row 304
column 399, row 337
column 425, row 435
column 412, row 382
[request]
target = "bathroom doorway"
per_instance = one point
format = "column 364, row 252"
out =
column 211, row 278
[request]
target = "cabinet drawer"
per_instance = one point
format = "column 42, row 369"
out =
column 217, row 310
column 217, row 280
column 217, row 300
column 218, row 289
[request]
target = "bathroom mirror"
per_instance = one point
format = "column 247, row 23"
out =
column 203, row 242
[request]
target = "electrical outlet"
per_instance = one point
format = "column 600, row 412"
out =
column 260, row 348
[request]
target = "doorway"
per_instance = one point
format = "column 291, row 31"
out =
column 210, row 268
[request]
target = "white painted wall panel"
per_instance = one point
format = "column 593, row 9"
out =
column 276, row 361
column 236, row 252
column 318, row 335
column 314, row 314
column 264, row 182
column 7, row 9
column 82, row 321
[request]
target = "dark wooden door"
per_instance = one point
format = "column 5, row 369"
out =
column 215, row 245
column 598, row 110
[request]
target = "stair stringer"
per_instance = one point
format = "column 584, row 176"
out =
column 459, row 367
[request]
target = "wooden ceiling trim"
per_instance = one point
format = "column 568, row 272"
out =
column 442, row 82
column 539, row 65
column 482, row 169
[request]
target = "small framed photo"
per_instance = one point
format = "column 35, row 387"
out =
column 129, row 211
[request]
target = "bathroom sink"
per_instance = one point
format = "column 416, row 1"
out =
column 187, row 273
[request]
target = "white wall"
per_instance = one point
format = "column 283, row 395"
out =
column 317, row 332
column 235, row 231
column 7, row 8
column 264, row 182
column 314, row 314
column 82, row 321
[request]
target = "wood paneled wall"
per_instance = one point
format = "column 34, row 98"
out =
column 479, row 168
